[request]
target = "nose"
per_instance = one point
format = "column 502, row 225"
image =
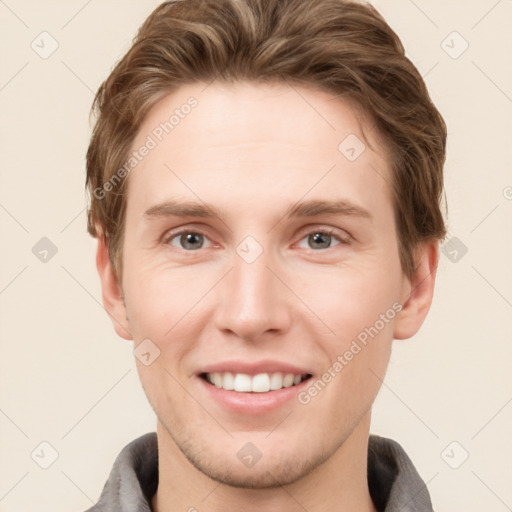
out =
column 252, row 300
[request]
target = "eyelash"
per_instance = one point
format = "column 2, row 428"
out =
column 322, row 231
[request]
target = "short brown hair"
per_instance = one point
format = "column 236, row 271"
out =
column 337, row 46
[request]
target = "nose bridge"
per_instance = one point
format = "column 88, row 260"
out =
column 252, row 299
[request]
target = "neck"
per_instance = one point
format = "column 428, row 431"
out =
column 339, row 484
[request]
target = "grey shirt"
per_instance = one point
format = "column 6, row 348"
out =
column 394, row 483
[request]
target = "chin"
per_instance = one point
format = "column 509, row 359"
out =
column 264, row 475
column 275, row 465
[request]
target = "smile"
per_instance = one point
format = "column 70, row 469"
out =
column 259, row 383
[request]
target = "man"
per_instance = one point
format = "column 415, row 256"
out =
column 265, row 180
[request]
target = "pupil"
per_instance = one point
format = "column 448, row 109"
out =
column 319, row 237
column 190, row 238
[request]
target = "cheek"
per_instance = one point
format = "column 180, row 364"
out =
column 350, row 299
column 361, row 317
column 359, row 306
column 149, row 306
column 158, row 294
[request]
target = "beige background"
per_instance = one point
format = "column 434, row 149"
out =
column 68, row 380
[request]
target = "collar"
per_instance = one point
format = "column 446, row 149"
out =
column 394, row 483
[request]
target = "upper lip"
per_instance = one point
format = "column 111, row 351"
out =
column 253, row 368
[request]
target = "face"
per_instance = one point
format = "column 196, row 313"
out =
column 256, row 247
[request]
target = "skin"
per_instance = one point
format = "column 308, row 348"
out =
column 253, row 151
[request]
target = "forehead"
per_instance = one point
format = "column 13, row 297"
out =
column 257, row 138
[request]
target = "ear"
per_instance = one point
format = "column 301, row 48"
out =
column 112, row 293
column 417, row 293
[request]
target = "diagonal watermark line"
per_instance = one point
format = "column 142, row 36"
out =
column 310, row 104
column 214, row 489
column 304, row 195
column 3, row 3
column 199, row 403
column 491, row 80
column 493, row 287
column 81, row 490
column 76, row 14
column 229, row 229
column 430, row 70
column 74, row 426
column 14, row 485
column 380, row 174
column 14, row 76
column 96, row 300
column 508, row 508
column 424, row 13
column 210, row 83
column 13, row 279
column 492, row 211
column 503, row 407
column 424, row 486
column 13, row 217
column 14, row 423
column 280, row 423
column 77, row 76
column 486, row 14
column 384, row 384
column 72, row 220
column 187, row 312
column 301, row 300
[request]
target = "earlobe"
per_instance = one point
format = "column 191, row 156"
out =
column 112, row 294
column 417, row 294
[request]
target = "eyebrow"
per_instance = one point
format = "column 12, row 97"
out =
column 310, row 208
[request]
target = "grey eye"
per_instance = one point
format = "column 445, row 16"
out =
column 188, row 240
column 320, row 240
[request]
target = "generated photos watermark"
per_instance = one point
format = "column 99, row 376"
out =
column 357, row 345
column 152, row 140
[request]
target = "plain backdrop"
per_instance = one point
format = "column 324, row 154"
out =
column 68, row 381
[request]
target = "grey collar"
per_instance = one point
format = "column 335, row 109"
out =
column 394, row 483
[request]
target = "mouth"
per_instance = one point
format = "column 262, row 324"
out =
column 259, row 383
column 252, row 387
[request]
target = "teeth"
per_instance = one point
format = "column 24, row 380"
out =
column 242, row 382
column 288, row 380
column 276, row 381
column 260, row 383
column 228, row 382
column 217, row 379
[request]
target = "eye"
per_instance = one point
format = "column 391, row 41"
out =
column 193, row 240
column 322, row 239
column 188, row 240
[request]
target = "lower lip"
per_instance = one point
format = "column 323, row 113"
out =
column 252, row 403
